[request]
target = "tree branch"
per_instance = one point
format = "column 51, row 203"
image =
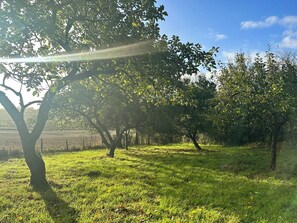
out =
column 15, row 114
column 18, row 94
column 42, row 116
column 95, row 126
column 72, row 76
column 32, row 103
column 99, row 123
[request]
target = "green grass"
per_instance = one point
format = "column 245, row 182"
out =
column 154, row 184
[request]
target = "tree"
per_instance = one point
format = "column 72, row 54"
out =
column 193, row 116
column 41, row 28
column 100, row 105
column 182, row 59
column 258, row 97
column 160, row 123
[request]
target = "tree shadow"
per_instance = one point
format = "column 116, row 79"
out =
column 212, row 185
column 249, row 164
column 58, row 209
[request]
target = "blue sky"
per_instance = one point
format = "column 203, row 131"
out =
column 247, row 26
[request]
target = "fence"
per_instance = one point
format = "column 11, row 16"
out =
column 50, row 140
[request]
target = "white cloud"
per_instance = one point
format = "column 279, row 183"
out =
column 230, row 55
column 287, row 21
column 220, row 36
column 255, row 53
column 212, row 34
column 289, row 40
column 270, row 21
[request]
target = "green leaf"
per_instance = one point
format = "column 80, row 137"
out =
column 53, row 89
column 35, row 93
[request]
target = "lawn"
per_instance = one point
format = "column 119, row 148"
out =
column 154, row 184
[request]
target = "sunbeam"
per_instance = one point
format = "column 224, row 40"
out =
column 130, row 50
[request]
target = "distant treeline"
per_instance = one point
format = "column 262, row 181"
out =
column 30, row 116
column 7, row 122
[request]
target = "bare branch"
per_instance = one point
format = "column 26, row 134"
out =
column 32, row 103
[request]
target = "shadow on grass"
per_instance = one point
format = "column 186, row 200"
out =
column 58, row 209
column 192, row 180
column 249, row 163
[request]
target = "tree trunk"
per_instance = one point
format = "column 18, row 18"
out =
column 197, row 146
column 111, row 150
column 33, row 160
column 170, row 138
column 274, row 149
column 136, row 137
column 120, row 144
column 126, row 140
column 149, row 139
column 36, row 166
column 119, row 138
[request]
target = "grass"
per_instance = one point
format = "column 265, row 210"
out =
column 154, row 184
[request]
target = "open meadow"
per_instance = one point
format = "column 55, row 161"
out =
column 51, row 140
column 154, row 184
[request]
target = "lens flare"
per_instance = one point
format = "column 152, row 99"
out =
column 110, row 53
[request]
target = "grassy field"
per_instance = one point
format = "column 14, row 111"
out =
column 154, row 184
column 52, row 140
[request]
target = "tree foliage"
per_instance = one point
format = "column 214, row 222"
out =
column 256, row 99
column 130, row 98
column 194, row 116
column 100, row 105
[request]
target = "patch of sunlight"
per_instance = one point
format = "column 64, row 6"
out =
column 204, row 214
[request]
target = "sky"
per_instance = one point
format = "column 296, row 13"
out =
column 248, row 26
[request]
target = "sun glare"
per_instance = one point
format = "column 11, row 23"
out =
column 130, row 50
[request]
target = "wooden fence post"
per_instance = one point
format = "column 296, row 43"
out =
column 41, row 145
column 67, row 145
column 83, row 144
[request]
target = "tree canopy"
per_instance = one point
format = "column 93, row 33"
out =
column 130, row 98
column 42, row 28
column 255, row 100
